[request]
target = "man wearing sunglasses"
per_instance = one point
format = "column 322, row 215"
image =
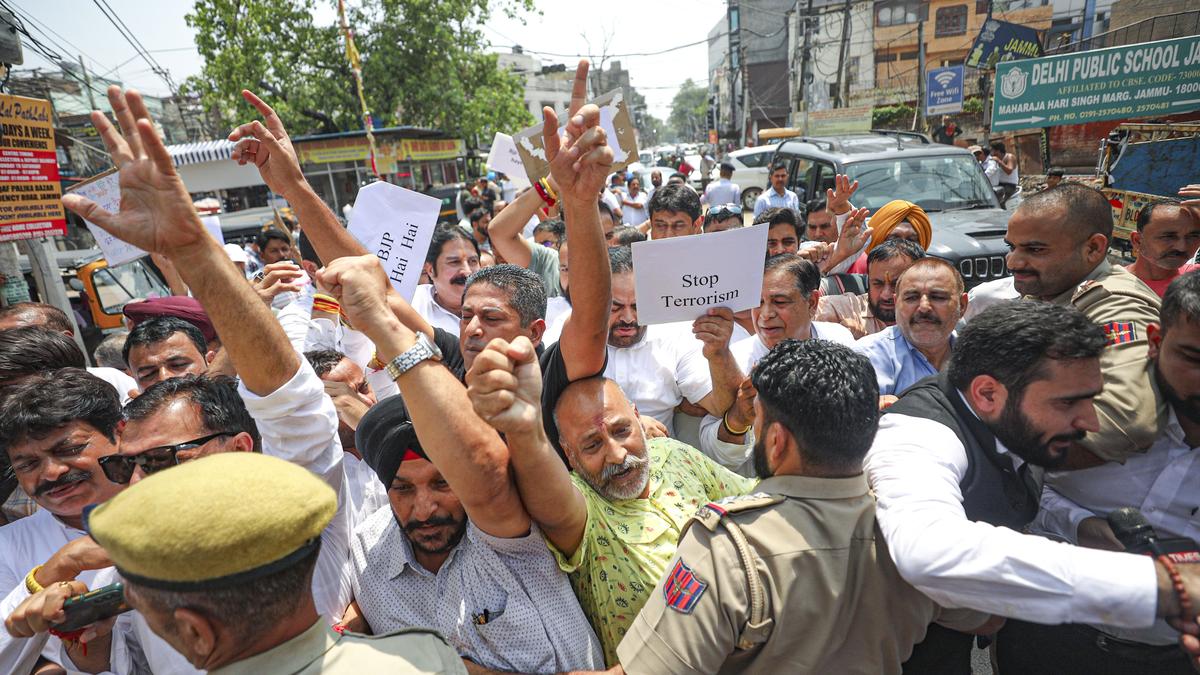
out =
column 723, row 217
column 277, row 388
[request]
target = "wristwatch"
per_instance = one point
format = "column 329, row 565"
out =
column 423, row 349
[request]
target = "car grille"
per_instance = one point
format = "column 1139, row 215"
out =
column 982, row 268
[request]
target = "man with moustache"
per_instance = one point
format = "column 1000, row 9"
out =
column 790, row 292
column 1159, row 483
column 801, row 556
column 54, row 427
column 956, row 467
column 453, row 256
column 659, row 366
column 1059, row 246
column 875, row 310
column 1165, row 241
column 930, row 301
column 614, row 518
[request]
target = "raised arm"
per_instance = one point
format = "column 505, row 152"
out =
column 713, row 330
column 157, row 215
column 580, row 159
column 470, row 454
column 505, row 229
column 266, row 145
column 505, row 387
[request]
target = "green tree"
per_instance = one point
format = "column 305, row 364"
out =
column 423, row 65
column 688, row 110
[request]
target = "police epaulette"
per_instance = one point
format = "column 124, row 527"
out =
column 710, row 514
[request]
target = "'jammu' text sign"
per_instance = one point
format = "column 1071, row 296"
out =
column 679, row 279
column 396, row 225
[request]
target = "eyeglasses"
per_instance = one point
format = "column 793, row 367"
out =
column 119, row 468
column 724, row 211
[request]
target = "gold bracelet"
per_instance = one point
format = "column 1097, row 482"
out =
column 731, row 430
column 31, row 583
column 549, row 190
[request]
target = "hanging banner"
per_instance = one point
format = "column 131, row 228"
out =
column 1142, row 80
column 1003, row 41
column 30, row 193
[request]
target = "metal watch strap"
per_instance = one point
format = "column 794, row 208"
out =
column 422, row 350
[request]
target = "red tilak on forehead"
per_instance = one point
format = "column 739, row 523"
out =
column 410, row 454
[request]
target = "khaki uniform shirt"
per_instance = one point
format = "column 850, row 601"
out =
column 835, row 600
column 322, row 650
column 1130, row 409
column 852, row 311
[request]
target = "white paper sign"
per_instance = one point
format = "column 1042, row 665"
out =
column 105, row 190
column 679, row 279
column 505, row 159
column 614, row 119
column 396, row 224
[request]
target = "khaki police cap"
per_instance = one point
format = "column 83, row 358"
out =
column 214, row 522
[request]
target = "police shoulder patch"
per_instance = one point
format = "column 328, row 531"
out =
column 682, row 590
column 1119, row 332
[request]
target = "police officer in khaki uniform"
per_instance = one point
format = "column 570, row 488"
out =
column 218, row 553
column 795, row 578
column 1059, row 240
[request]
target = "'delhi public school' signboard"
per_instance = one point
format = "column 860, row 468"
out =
column 1143, row 80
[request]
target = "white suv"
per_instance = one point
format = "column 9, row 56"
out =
column 751, row 171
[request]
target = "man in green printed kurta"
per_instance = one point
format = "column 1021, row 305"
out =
column 614, row 521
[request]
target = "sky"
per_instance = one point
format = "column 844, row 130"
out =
column 558, row 27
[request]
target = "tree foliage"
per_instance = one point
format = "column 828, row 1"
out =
column 688, row 110
column 423, row 64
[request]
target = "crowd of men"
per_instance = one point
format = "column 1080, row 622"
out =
column 304, row 472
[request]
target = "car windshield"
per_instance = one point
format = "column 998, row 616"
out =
column 944, row 183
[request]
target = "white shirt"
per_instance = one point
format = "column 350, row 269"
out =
column 914, row 467
column 558, row 310
column 613, row 201
column 1161, row 483
column 747, row 352
column 434, row 313
column 661, row 370
column 991, row 169
column 722, row 191
column 634, row 215
column 25, row 544
column 119, row 381
column 535, row 623
column 367, row 494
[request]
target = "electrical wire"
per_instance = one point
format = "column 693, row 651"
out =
column 111, row 14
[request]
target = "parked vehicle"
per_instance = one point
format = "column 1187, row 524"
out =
column 1143, row 163
column 968, row 223
column 98, row 293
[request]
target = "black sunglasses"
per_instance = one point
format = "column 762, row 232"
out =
column 119, row 468
column 724, row 211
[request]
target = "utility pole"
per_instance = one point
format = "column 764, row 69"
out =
column 843, row 82
column 87, row 80
column 805, row 76
column 745, row 96
column 919, row 118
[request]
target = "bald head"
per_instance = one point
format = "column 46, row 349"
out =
column 1076, row 207
column 584, row 402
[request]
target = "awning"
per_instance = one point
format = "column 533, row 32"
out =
column 199, row 153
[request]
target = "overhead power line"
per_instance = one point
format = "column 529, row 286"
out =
column 111, row 14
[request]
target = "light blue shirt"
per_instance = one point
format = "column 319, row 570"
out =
column 771, row 199
column 720, row 192
column 898, row 365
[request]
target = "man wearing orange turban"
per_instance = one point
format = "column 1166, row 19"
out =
column 896, row 219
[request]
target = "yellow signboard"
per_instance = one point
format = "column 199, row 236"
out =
column 390, row 153
column 30, row 192
column 419, row 150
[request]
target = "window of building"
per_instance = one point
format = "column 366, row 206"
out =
column 852, row 70
column 908, row 56
column 900, row 12
column 951, row 21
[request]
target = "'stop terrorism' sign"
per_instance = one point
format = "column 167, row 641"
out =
column 1142, row 80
